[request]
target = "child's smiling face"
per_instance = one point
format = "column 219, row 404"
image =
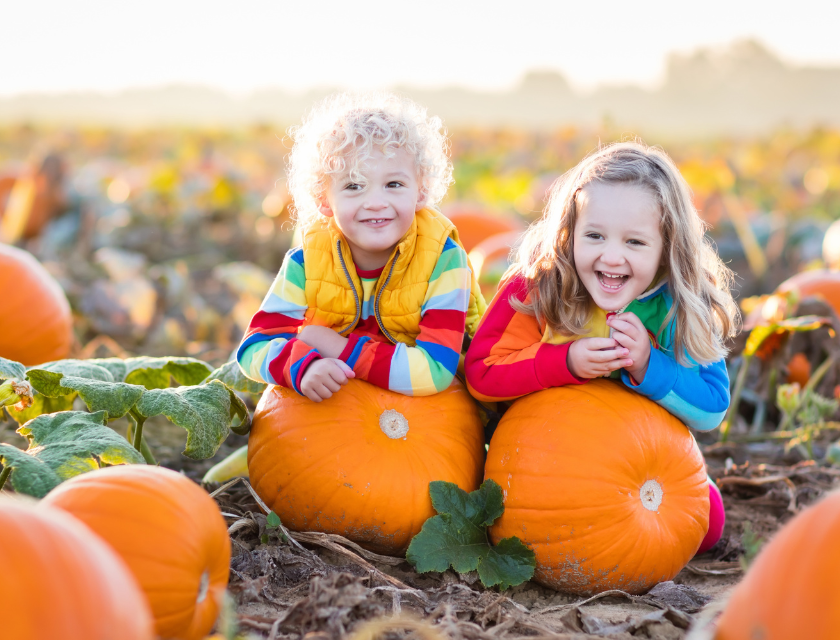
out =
column 376, row 214
column 617, row 242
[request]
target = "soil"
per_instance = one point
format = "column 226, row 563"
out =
column 318, row 586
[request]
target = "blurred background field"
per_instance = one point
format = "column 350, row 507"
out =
column 166, row 239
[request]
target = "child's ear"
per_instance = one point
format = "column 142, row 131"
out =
column 421, row 202
column 324, row 207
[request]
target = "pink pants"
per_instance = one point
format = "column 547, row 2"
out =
column 717, row 518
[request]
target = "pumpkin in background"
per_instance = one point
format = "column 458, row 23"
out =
column 359, row 464
column 818, row 283
column 799, row 369
column 608, row 488
column 62, row 581
column 490, row 258
column 790, row 591
column 35, row 323
column 169, row 532
column 475, row 225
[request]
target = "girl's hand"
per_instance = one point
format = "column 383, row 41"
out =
column 325, row 377
column 596, row 357
column 328, row 343
column 630, row 333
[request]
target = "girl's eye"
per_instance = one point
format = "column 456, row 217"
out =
column 637, row 243
column 594, row 236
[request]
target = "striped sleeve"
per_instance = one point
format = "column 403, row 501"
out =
column 270, row 351
column 430, row 366
column 507, row 358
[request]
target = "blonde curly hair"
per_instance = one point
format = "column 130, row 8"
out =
column 342, row 131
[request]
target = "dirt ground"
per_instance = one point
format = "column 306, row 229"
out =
column 318, row 586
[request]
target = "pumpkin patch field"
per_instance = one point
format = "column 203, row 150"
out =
column 137, row 459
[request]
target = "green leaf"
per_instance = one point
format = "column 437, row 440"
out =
column 64, row 445
column 96, row 387
column 30, row 475
column 239, row 411
column 457, row 537
column 233, row 377
column 116, row 398
column 41, row 404
column 760, row 333
column 272, row 520
column 204, row 411
column 115, row 366
column 11, row 369
column 508, row 564
column 154, row 373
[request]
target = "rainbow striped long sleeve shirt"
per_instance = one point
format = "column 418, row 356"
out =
column 270, row 351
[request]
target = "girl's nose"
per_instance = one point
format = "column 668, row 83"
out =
column 613, row 255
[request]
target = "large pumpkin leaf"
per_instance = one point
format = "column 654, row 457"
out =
column 100, row 393
column 51, row 372
column 457, row 537
column 233, row 377
column 154, row 373
column 11, row 369
column 41, row 404
column 30, row 475
column 204, row 411
column 64, row 445
column 116, row 367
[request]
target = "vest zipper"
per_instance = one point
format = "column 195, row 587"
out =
column 352, row 286
column 379, row 295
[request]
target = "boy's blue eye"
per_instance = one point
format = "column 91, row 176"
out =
column 352, row 186
column 395, row 183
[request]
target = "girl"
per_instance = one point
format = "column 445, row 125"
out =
column 617, row 279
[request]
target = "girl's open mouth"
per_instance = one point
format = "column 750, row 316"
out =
column 610, row 281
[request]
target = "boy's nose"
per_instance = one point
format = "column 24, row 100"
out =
column 374, row 202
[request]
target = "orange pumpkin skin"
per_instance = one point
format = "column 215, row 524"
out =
column 36, row 325
column 790, row 591
column 61, row 581
column 818, row 283
column 169, row 532
column 578, row 465
column 475, row 225
column 799, row 369
column 330, row 467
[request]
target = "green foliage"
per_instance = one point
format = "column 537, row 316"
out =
column 807, row 411
column 752, row 544
column 457, row 537
column 137, row 388
column 233, row 377
column 63, row 445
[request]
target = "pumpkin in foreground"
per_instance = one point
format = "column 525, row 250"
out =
column 359, row 464
column 790, row 591
column 35, row 324
column 61, row 581
column 608, row 488
column 169, row 532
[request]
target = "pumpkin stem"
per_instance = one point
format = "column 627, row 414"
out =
column 7, row 470
column 651, row 495
column 17, row 393
column 135, row 436
column 393, row 424
column 203, row 586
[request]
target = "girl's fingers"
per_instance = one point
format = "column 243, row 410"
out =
column 599, row 344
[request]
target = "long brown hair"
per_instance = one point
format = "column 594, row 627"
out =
column 699, row 282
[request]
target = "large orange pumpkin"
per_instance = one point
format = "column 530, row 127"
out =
column 818, row 283
column 475, row 225
column 790, row 591
column 62, row 581
column 359, row 463
column 169, row 532
column 608, row 488
column 35, row 323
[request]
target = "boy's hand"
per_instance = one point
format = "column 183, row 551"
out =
column 324, row 377
column 595, row 357
column 630, row 333
column 328, row 343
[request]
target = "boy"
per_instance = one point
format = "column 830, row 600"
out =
column 380, row 288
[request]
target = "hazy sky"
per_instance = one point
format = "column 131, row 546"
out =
column 109, row 44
